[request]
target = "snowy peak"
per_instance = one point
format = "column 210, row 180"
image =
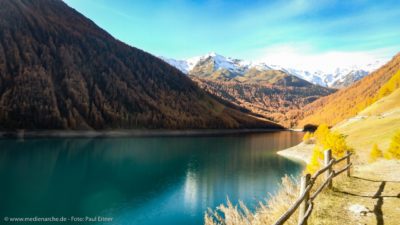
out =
column 181, row 65
column 213, row 63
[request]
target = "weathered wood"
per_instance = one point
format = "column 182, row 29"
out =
column 305, row 201
column 341, row 159
column 344, row 169
column 327, row 160
column 313, row 196
column 348, row 163
column 293, row 208
column 304, row 206
column 303, row 220
column 322, row 170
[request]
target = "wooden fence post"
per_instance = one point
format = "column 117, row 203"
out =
column 305, row 180
column 327, row 160
column 348, row 163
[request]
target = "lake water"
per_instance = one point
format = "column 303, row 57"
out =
column 147, row 180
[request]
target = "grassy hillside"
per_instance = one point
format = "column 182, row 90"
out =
column 374, row 125
column 348, row 102
column 374, row 185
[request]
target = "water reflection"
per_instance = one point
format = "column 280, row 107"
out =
column 139, row 180
column 191, row 189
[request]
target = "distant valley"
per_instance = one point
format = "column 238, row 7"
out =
column 272, row 93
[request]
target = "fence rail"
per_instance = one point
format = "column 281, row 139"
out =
column 305, row 201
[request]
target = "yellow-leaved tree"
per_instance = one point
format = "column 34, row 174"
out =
column 316, row 160
column 331, row 140
column 337, row 143
column 375, row 153
column 321, row 132
column 326, row 139
column 394, row 149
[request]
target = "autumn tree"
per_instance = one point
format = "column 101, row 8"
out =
column 394, row 149
column 316, row 160
column 321, row 132
column 331, row 140
column 375, row 153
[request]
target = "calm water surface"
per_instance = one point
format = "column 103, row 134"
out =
column 163, row 180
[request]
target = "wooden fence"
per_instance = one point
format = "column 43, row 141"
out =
column 305, row 202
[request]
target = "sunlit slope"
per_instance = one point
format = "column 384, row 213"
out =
column 374, row 125
column 350, row 101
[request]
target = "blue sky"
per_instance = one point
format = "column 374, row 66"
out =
column 252, row 30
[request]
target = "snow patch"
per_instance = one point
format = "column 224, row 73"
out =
column 332, row 78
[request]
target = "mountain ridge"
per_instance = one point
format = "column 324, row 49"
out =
column 341, row 77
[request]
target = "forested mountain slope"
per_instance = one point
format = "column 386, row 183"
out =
column 276, row 102
column 58, row 70
column 349, row 101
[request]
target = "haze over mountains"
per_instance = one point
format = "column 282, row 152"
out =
column 59, row 70
column 229, row 68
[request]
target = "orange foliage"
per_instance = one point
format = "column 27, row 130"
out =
column 349, row 101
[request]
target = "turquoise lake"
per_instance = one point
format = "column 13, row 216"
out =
column 140, row 180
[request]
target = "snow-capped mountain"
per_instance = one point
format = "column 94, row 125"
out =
column 340, row 77
column 221, row 62
column 337, row 78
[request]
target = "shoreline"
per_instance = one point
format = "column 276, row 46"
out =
column 129, row 133
column 299, row 153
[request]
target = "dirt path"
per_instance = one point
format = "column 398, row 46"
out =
column 370, row 196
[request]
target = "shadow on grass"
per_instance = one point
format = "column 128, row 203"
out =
column 378, row 195
column 366, row 179
column 378, row 206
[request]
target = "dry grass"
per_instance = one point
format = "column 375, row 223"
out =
column 266, row 213
column 373, row 185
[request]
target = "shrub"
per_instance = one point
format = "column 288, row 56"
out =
column 266, row 213
column 375, row 153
